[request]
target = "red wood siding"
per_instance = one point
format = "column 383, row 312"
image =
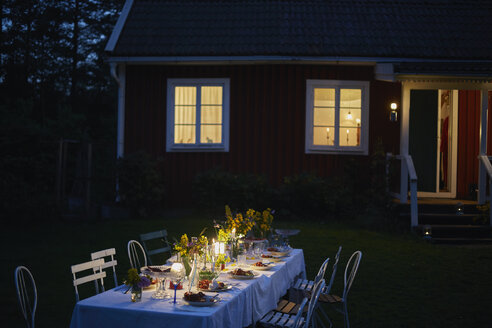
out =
column 468, row 141
column 267, row 119
column 489, row 125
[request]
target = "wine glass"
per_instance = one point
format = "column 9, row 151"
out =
column 176, row 275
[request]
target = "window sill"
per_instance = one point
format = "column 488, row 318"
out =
column 357, row 151
column 195, row 149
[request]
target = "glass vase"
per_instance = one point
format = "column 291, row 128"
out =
column 136, row 294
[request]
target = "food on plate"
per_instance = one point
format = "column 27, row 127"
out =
column 203, row 284
column 196, row 297
column 210, row 284
column 265, row 256
column 272, row 249
column 260, row 264
column 241, row 272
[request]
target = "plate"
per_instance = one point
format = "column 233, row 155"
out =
column 218, row 290
column 279, row 251
column 265, row 268
column 234, row 276
column 209, row 301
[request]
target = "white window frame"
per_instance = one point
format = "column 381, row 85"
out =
column 363, row 148
column 197, row 147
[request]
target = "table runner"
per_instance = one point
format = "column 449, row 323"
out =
column 246, row 303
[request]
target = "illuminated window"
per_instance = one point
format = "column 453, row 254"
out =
column 337, row 116
column 197, row 115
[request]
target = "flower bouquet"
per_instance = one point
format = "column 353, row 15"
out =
column 136, row 284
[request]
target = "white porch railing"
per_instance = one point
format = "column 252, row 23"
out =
column 485, row 163
column 407, row 175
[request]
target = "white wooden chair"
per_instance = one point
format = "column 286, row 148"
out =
column 97, row 273
column 304, row 285
column 308, row 285
column 289, row 314
column 111, row 253
column 149, row 239
column 27, row 295
column 340, row 303
column 136, row 254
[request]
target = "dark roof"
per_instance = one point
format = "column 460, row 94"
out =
column 465, row 69
column 427, row 29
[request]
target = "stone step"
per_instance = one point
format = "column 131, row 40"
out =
column 456, row 230
column 461, row 240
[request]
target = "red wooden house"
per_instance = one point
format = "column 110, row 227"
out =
column 279, row 87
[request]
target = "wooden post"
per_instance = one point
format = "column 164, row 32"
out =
column 88, row 181
column 404, row 141
column 59, row 173
column 482, row 174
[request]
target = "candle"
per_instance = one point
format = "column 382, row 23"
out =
column 233, row 234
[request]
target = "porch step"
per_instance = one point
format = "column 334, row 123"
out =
column 461, row 240
column 452, row 223
column 457, row 233
column 444, row 218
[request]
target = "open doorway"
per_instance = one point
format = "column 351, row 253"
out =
column 434, row 141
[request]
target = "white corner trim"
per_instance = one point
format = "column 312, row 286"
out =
column 115, row 35
column 120, row 137
column 384, row 72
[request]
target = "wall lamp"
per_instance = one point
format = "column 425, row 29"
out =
column 393, row 112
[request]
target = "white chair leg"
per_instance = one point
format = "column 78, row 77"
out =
column 345, row 312
column 323, row 315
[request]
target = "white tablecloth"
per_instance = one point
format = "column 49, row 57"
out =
column 246, row 303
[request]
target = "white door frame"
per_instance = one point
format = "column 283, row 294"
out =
column 410, row 82
column 454, row 150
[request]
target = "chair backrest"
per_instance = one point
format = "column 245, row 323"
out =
column 25, row 293
column 351, row 269
column 334, row 271
column 97, row 274
column 297, row 320
column 136, row 254
column 321, row 271
column 110, row 252
column 313, row 301
column 148, row 239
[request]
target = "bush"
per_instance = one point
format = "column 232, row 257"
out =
column 309, row 195
column 141, row 185
column 216, row 187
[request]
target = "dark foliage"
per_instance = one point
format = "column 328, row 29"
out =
column 217, row 187
column 141, row 186
column 54, row 84
column 358, row 192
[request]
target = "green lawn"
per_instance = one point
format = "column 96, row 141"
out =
column 402, row 280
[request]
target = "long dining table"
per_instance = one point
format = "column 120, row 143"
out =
column 244, row 304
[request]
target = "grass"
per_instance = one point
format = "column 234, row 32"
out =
column 402, row 280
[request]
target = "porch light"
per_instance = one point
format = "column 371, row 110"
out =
column 427, row 232
column 393, row 112
column 460, row 209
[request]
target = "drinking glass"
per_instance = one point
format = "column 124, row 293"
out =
column 241, row 260
column 176, row 275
